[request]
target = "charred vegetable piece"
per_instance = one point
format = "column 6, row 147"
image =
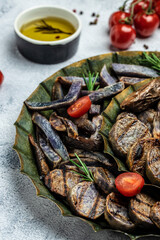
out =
column 116, row 212
column 105, row 78
column 53, row 158
column 94, row 143
column 158, row 106
column 95, row 110
column 156, row 125
column 137, row 155
column 89, row 162
column 126, row 115
column 63, row 124
column 131, row 80
column 105, row 159
column 67, row 81
column 70, row 79
column 68, row 167
column 106, row 92
column 147, row 117
column 153, row 164
column 57, row 91
column 72, row 130
column 91, row 169
column 133, row 70
column 86, row 201
column 155, row 214
column 85, row 92
column 57, row 122
column 68, row 100
column 143, row 98
column 97, row 120
column 139, row 210
column 104, row 180
column 40, row 158
column 125, row 132
column 84, row 143
column 51, row 135
column 85, row 116
column 60, row 181
column 85, row 125
column 92, row 155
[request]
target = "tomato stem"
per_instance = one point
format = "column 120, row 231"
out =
column 132, row 10
column 122, row 8
column 129, row 20
column 150, row 9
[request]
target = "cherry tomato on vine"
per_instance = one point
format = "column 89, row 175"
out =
column 157, row 8
column 117, row 17
column 80, row 107
column 146, row 24
column 155, row 1
column 122, row 36
column 129, row 184
column 140, row 6
column 1, row 77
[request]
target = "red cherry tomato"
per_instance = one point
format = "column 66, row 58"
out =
column 146, row 24
column 1, row 77
column 157, row 8
column 117, row 17
column 142, row 5
column 80, row 107
column 155, row 1
column 122, row 36
column 129, row 184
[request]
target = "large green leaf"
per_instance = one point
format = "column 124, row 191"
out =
column 24, row 127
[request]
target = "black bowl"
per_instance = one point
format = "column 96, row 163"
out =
column 47, row 52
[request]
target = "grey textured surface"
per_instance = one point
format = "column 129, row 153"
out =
column 22, row 214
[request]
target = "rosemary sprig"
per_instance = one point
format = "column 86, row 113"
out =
column 48, row 29
column 151, row 61
column 87, row 176
column 91, row 81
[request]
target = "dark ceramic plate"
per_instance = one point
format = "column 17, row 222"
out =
column 24, row 126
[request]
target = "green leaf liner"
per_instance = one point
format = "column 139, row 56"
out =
column 24, row 126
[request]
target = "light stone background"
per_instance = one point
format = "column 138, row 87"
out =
column 22, row 214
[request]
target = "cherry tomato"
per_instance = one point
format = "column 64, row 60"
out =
column 142, row 5
column 146, row 24
column 1, row 77
column 80, row 107
column 122, row 36
column 157, row 8
column 129, row 184
column 117, row 17
column 154, row 2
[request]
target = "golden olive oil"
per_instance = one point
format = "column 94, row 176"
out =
column 48, row 29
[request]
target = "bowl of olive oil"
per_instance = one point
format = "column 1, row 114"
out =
column 47, row 34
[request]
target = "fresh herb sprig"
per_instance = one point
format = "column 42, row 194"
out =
column 46, row 28
column 90, row 82
column 87, row 176
column 151, row 61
